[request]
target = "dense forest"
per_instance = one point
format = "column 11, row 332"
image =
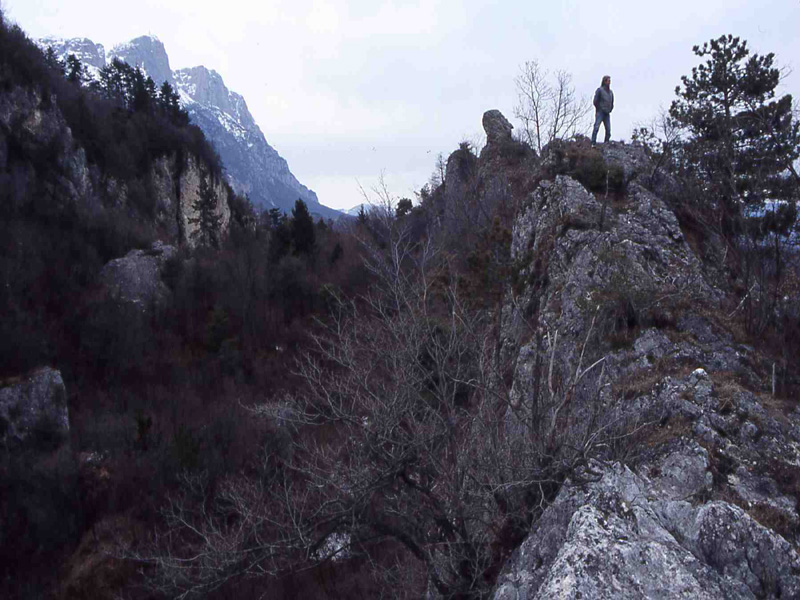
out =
column 316, row 409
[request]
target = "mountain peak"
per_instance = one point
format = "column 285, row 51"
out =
column 148, row 53
column 90, row 54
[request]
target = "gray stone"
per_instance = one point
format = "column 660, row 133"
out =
column 757, row 488
column 34, row 410
column 497, row 128
column 135, row 279
column 664, row 530
column 622, row 538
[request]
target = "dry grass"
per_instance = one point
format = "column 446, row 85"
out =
column 661, row 433
column 93, row 571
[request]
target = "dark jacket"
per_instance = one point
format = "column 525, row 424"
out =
column 604, row 99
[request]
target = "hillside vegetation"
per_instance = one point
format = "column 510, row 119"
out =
column 570, row 370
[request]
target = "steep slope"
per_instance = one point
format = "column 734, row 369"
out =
column 684, row 477
column 252, row 166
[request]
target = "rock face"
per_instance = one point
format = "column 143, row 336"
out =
column 148, row 53
column 497, row 128
column 135, row 278
column 35, row 122
column 90, row 54
column 34, row 411
column 704, row 504
column 189, row 193
column 630, row 536
column 252, row 166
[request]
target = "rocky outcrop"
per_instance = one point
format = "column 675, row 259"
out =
column 135, row 278
column 33, row 411
column 632, row 536
column 497, row 128
column 189, row 193
column 32, row 122
column 608, row 295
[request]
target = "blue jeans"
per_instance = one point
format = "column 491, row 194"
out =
column 604, row 118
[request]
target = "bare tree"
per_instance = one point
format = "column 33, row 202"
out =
column 404, row 434
column 548, row 106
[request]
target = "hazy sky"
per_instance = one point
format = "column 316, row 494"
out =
column 347, row 90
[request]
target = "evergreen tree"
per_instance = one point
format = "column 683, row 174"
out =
column 76, row 72
column 742, row 140
column 303, row 235
column 142, row 91
column 362, row 215
column 114, row 78
column 207, row 219
column 275, row 218
column 404, row 207
column 169, row 100
column 52, row 60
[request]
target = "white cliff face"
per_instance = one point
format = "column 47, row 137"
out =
column 177, row 188
column 190, row 193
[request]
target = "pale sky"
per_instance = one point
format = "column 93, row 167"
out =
column 348, row 90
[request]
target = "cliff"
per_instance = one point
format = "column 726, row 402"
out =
column 683, row 477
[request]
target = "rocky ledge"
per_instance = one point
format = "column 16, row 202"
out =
column 693, row 491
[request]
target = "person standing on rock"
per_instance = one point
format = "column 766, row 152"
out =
column 603, row 104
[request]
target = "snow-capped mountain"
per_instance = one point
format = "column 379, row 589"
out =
column 90, row 54
column 148, row 53
column 252, row 166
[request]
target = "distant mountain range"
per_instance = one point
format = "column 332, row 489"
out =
column 252, row 166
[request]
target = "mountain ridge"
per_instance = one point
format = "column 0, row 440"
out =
column 253, row 167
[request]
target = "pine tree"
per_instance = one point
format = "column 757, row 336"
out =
column 76, row 72
column 169, row 100
column 53, row 61
column 208, row 220
column 404, row 207
column 741, row 140
column 303, row 235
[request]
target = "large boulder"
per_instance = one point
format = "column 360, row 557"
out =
column 135, row 279
column 33, row 410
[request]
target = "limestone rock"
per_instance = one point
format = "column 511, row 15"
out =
column 497, row 128
column 189, row 194
column 34, row 410
column 620, row 537
column 707, row 507
column 135, row 279
column 148, row 53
